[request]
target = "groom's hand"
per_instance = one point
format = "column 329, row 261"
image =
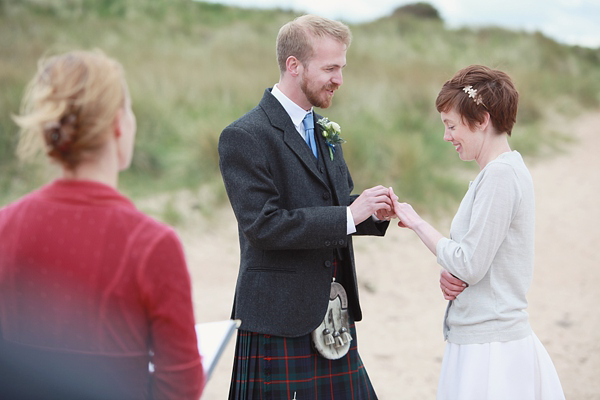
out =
column 386, row 215
column 375, row 200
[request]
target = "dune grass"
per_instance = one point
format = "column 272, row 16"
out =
column 195, row 67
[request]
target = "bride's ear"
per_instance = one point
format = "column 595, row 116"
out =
column 486, row 122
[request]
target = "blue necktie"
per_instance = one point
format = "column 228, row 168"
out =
column 309, row 130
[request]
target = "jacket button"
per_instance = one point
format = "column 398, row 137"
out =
column 341, row 242
column 327, row 243
column 327, row 264
column 321, row 169
column 334, row 243
column 326, row 196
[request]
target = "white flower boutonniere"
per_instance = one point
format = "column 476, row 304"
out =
column 331, row 133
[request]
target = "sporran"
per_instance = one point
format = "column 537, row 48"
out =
column 332, row 337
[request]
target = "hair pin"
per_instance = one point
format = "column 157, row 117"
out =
column 473, row 94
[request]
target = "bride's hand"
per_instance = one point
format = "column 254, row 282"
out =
column 451, row 286
column 406, row 214
column 395, row 202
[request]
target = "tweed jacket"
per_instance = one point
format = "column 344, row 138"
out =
column 291, row 214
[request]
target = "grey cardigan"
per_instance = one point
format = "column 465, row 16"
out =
column 291, row 214
column 491, row 247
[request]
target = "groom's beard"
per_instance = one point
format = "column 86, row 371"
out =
column 318, row 97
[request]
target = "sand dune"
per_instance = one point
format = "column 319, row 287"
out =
column 400, row 337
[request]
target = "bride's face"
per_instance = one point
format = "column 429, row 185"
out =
column 465, row 141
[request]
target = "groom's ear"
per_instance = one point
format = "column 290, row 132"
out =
column 293, row 66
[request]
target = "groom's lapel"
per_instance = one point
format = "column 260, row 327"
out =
column 338, row 186
column 281, row 120
column 292, row 138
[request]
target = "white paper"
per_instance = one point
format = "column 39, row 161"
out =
column 212, row 340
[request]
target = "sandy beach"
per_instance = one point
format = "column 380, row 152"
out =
column 400, row 337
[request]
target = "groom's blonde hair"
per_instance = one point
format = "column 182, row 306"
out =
column 296, row 38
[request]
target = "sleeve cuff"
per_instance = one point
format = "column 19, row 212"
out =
column 350, row 227
column 439, row 249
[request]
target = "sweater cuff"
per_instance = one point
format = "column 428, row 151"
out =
column 439, row 250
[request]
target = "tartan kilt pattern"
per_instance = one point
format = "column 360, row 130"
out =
column 269, row 367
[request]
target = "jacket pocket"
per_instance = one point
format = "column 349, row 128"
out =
column 270, row 269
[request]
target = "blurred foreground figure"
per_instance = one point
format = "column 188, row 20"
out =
column 91, row 290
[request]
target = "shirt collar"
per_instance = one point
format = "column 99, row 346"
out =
column 295, row 112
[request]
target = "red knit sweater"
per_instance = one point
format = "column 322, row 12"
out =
column 83, row 274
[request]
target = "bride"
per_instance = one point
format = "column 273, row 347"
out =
column 491, row 350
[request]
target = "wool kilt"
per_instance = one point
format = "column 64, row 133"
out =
column 269, row 367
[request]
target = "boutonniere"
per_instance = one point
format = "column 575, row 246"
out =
column 331, row 133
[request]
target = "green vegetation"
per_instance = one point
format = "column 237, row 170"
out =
column 195, row 67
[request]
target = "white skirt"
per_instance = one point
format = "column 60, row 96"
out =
column 515, row 370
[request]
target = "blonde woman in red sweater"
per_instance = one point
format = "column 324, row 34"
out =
column 92, row 291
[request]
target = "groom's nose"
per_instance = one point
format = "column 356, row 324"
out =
column 337, row 79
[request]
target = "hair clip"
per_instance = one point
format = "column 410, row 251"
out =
column 59, row 134
column 52, row 132
column 473, row 94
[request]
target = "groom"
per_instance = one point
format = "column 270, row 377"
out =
column 296, row 217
